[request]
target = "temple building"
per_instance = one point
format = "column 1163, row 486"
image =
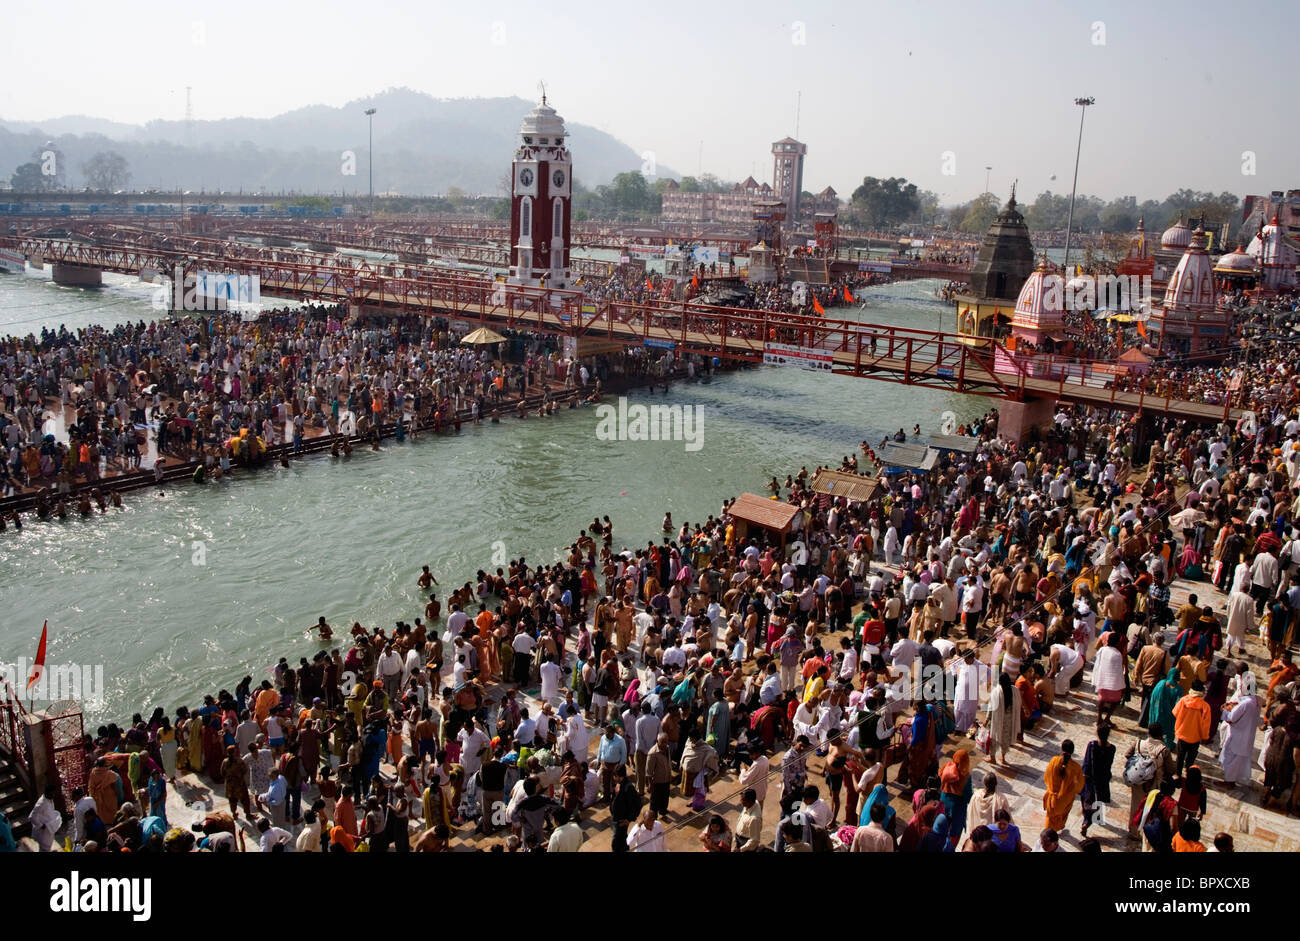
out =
column 1276, row 255
column 1236, row 271
column 1039, row 317
column 1004, row 263
column 1189, row 320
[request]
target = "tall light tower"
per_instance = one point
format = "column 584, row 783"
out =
column 987, row 171
column 370, row 115
column 1083, row 104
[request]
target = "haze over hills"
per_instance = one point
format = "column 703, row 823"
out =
column 423, row 146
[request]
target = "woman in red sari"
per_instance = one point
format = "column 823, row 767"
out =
column 213, row 752
column 968, row 516
column 920, row 825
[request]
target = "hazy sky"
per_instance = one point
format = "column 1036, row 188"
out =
column 1183, row 87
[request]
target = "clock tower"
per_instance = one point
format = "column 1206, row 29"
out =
column 540, row 194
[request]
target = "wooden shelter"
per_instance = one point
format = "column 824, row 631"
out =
column 845, row 484
column 751, row 510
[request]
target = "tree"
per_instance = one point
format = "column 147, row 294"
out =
column 27, row 178
column 43, row 174
column 979, row 214
column 1047, row 212
column 106, row 172
column 1103, row 255
column 885, row 202
column 928, row 207
column 1120, row 215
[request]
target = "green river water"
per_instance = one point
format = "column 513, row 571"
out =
column 346, row 538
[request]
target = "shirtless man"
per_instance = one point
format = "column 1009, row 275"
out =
column 999, row 594
column 325, row 631
column 1014, row 649
column 426, row 579
column 434, row 840
column 1116, row 610
column 433, row 610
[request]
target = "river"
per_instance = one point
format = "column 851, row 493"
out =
column 180, row 594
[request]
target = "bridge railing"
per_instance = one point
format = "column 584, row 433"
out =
column 885, row 351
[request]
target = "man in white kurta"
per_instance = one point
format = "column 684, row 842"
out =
column 1241, row 616
column 551, row 674
column 45, row 819
column 891, row 545
column 1240, row 721
column 971, row 676
column 576, row 738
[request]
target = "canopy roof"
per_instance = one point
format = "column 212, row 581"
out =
column 912, row 456
column 963, row 443
column 482, row 335
column 769, row 514
column 845, row 484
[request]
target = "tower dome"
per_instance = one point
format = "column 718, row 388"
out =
column 542, row 126
column 1040, row 307
column 1191, row 286
column 1235, row 262
column 1006, row 256
column 1177, row 237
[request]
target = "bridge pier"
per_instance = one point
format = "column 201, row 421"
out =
column 77, row 275
column 1017, row 420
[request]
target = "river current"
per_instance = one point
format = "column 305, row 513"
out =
column 178, row 595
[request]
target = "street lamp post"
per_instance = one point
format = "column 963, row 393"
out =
column 987, row 171
column 1083, row 104
column 370, row 115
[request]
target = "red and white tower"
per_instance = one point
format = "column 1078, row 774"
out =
column 541, row 191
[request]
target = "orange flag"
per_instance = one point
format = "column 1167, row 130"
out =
column 1142, row 329
column 817, row 306
column 848, row 298
column 39, row 667
column 695, row 281
column 648, row 285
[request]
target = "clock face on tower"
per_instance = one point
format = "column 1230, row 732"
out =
column 526, row 177
column 558, row 177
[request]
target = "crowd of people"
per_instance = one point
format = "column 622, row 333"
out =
column 844, row 682
column 185, row 390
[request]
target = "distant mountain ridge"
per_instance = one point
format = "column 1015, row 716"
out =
column 423, row 146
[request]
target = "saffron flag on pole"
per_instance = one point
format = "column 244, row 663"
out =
column 817, row 306
column 39, row 666
column 848, row 298
column 649, row 286
column 1142, row 329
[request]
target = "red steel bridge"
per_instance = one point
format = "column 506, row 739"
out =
column 876, row 351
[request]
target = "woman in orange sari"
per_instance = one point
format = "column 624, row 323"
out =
column 955, row 792
column 1064, row 780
